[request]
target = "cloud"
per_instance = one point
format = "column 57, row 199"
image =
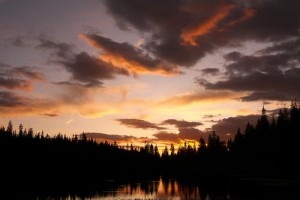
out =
column 232, row 56
column 163, row 21
column 29, row 72
column 19, row 78
column 166, row 136
column 183, row 134
column 191, row 133
column 181, row 123
column 94, row 70
column 50, row 114
column 15, row 84
column 191, row 29
column 196, row 97
column 14, row 104
column 110, row 137
column 227, row 127
column 10, row 99
column 138, row 123
column 210, row 71
column 58, row 49
column 85, row 69
column 65, row 98
column 129, row 57
column 190, row 33
column 17, row 41
column 272, row 73
column 210, row 116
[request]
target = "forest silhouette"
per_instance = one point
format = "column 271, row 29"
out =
column 268, row 149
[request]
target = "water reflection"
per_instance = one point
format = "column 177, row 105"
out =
column 150, row 190
column 173, row 189
column 160, row 189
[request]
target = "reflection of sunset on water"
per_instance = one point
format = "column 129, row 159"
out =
column 160, row 189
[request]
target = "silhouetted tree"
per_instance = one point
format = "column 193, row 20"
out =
column 9, row 129
column 165, row 153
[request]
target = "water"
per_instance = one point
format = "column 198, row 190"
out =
column 174, row 189
column 157, row 189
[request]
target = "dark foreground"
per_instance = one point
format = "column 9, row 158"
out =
column 238, row 188
column 262, row 160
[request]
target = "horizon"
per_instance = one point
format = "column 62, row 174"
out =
column 162, row 70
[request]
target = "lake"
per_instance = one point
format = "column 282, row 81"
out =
column 174, row 189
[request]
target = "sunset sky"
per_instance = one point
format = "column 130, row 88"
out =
column 157, row 70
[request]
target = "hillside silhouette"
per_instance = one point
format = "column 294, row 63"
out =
column 267, row 149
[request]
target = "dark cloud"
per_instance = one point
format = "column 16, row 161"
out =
column 190, row 133
column 85, row 69
column 13, row 104
column 183, row 134
column 17, row 41
column 109, row 137
column 181, row 123
column 145, row 15
column 29, row 72
column 232, row 56
column 182, row 32
column 50, row 114
column 290, row 47
column 9, row 99
column 164, row 21
column 133, row 58
column 90, row 71
column 13, row 83
column 61, row 50
column 210, row 116
column 138, row 123
column 166, row 136
column 19, row 78
column 274, row 20
column 210, row 71
column 270, row 95
column 272, row 75
column 227, row 127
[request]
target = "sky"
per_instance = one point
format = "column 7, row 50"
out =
column 162, row 71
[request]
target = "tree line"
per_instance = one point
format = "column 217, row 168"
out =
column 268, row 148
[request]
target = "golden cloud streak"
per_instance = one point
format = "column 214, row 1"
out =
column 207, row 97
column 190, row 34
column 120, row 61
column 134, row 67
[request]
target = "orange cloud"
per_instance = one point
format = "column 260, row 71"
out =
column 190, row 33
column 52, row 108
column 130, row 58
column 68, row 98
column 19, row 78
column 14, row 104
column 136, row 67
column 138, row 123
column 207, row 97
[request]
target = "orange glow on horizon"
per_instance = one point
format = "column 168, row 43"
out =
column 138, row 143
